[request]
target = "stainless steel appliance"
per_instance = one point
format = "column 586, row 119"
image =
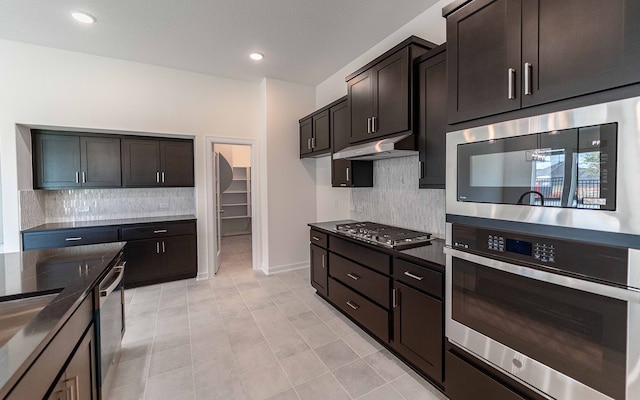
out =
column 576, row 169
column 111, row 322
column 561, row 316
column 384, row 235
column 543, row 249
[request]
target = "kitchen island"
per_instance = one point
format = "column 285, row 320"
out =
column 71, row 274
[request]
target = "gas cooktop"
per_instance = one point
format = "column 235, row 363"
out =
column 384, row 235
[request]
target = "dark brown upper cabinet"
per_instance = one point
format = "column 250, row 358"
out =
column 504, row 55
column 315, row 139
column 70, row 160
column 431, row 70
column 154, row 163
column 380, row 93
column 346, row 173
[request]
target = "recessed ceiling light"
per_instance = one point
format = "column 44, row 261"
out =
column 83, row 17
column 256, row 56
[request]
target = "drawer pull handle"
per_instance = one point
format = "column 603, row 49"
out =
column 73, row 239
column 160, row 231
column 317, row 239
column 416, row 277
column 353, row 276
column 353, row 305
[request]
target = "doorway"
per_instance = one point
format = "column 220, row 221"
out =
column 232, row 216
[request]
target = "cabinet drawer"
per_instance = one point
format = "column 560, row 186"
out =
column 465, row 382
column 371, row 284
column 151, row 231
column 318, row 238
column 371, row 316
column 68, row 237
column 370, row 258
column 419, row 277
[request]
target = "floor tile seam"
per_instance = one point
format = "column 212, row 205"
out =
column 279, row 363
column 169, row 372
column 396, row 379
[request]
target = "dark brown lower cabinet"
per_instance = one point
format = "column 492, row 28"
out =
column 417, row 329
column 155, row 260
column 78, row 381
column 319, row 271
column 144, row 261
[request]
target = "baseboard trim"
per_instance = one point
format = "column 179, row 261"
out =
column 287, row 268
column 202, row 276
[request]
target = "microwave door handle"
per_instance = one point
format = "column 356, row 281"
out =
column 629, row 295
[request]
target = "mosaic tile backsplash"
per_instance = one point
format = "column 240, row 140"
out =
column 104, row 204
column 396, row 200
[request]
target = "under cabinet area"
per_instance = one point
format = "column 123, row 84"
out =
column 346, row 173
column 504, row 55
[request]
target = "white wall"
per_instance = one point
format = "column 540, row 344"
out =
column 429, row 25
column 290, row 198
column 334, row 203
column 50, row 87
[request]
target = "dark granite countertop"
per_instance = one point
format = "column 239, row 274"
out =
column 71, row 272
column 109, row 222
column 432, row 253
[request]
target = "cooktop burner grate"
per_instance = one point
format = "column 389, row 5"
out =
column 384, row 235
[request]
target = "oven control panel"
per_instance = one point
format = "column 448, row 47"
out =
column 601, row 262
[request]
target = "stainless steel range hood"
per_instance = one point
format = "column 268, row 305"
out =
column 397, row 146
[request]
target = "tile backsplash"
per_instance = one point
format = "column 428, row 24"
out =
column 45, row 206
column 395, row 198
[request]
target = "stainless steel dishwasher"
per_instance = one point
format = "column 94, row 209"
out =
column 110, row 319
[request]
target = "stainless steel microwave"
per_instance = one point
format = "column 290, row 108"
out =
column 578, row 168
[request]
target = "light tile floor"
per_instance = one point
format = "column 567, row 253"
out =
column 242, row 335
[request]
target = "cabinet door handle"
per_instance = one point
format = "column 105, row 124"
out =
column 394, row 298
column 313, row 143
column 84, row 177
column 416, row 277
column 512, row 78
column 527, row 79
column 158, row 176
column 347, row 174
column 163, row 249
column 368, row 125
column 317, row 239
column 77, row 177
column 157, row 247
column 309, row 144
column 162, row 176
column 73, row 239
column 352, row 305
column 160, row 231
column 323, row 262
column 373, row 124
column 353, row 276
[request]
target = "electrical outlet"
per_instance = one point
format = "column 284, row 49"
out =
column 83, row 209
column 359, row 208
column 164, row 205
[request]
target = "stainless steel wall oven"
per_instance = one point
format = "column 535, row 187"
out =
column 543, row 249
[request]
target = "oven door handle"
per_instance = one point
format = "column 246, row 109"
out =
column 104, row 293
column 630, row 295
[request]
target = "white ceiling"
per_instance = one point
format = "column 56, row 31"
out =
column 304, row 41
